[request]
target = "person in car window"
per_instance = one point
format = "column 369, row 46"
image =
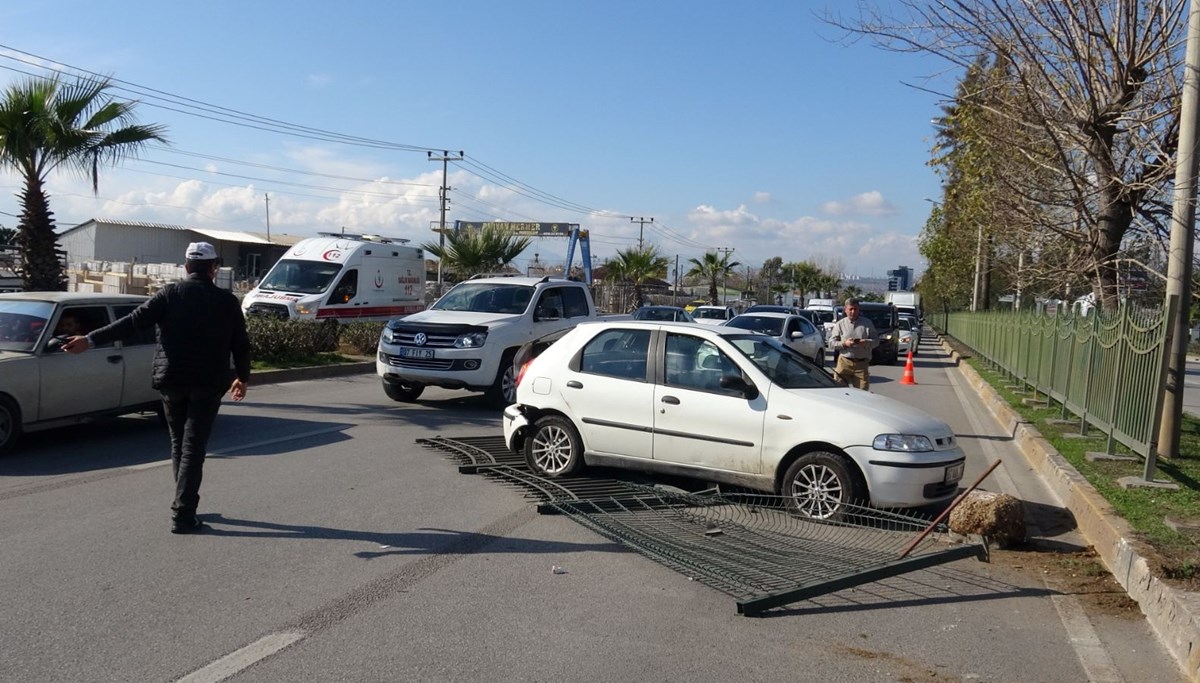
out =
column 200, row 326
column 853, row 338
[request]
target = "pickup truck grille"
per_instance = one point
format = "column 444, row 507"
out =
column 433, row 340
column 419, row 363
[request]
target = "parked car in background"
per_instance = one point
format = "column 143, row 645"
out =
column 794, row 331
column 886, row 322
column 914, row 323
column 41, row 387
column 694, row 304
column 727, row 405
column 713, row 315
column 663, row 314
column 906, row 338
column 771, row 308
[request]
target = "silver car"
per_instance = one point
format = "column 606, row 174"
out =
column 40, row 385
column 794, row 331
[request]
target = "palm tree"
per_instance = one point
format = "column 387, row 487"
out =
column 45, row 124
column 471, row 252
column 712, row 268
column 806, row 277
column 635, row 266
column 8, row 236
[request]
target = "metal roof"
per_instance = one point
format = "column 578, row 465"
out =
column 220, row 235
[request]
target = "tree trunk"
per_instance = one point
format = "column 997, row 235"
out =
column 41, row 268
column 1115, row 218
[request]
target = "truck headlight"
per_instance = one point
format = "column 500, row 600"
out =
column 472, row 340
column 388, row 337
column 305, row 309
column 886, row 337
column 910, row 443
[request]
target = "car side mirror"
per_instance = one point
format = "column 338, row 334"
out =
column 739, row 384
column 797, row 335
column 55, row 343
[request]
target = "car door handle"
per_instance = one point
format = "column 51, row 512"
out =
column 113, row 359
column 670, row 399
column 574, row 384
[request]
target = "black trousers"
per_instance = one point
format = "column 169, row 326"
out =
column 190, row 415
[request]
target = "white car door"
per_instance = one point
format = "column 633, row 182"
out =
column 84, row 383
column 138, row 353
column 696, row 422
column 609, row 396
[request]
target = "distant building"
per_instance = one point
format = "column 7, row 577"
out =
column 249, row 254
column 900, row 279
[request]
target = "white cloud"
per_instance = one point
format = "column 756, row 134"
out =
column 865, row 204
column 319, row 80
column 762, row 197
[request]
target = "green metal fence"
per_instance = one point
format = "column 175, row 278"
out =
column 1105, row 369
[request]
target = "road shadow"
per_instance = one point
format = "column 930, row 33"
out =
column 137, row 440
column 421, row 541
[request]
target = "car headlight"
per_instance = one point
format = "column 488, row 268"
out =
column 306, row 309
column 472, row 340
column 911, row 443
column 388, row 335
column 886, row 337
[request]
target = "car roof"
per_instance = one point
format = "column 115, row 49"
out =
column 716, row 306
column 72, row 297
column 767, row 314
column 516, row 280
column 691, row 328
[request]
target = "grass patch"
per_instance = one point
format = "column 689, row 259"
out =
column 305, row 361
column 1146, row 509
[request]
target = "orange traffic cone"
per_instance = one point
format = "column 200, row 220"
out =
column 908, row 371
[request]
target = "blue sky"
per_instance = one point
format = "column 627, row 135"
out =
column 734, row 125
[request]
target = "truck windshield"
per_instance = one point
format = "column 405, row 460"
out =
column 485, row 298
column 302, row 277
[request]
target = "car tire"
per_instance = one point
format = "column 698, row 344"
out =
column 10, row 424
column 554, row 448
column 821, row 485
column 402, row 391
column 503, row 391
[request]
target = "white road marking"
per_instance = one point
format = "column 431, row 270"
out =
column 239, row 660
column 242, row 447
column 1080, row 632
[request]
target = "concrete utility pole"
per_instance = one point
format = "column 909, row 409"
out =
column 443, row 199
column 1179, row 262
column 641, row 227
column 267, row 198
column 726, row 251
column 676, row 276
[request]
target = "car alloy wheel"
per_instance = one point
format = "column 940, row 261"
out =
column 819, row 485
column 554, row 449
column 503, row 391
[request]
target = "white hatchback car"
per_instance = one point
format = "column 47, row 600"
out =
column 726, row 405
column 42, row 387
column 792, row 330
column 713, row 315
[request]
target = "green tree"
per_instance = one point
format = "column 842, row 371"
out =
column 636, row 266
column 8, row 236
column 45, row 124
column 471, row 252
column 711, row 268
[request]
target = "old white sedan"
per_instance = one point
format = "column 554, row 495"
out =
column 727, row 405
column 43, row 387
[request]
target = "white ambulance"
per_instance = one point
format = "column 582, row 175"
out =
column 342, row 277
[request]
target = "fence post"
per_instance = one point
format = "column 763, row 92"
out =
column 1112, row 403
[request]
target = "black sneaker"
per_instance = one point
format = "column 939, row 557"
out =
column 187, row 526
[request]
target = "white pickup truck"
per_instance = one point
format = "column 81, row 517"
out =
column 469, row 337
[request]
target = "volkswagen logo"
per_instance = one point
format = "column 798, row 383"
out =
column 420, row 338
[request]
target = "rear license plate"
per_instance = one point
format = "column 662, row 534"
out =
column 406, row 352
column 954, row 472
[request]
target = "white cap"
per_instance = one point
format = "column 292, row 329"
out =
column 201, row 251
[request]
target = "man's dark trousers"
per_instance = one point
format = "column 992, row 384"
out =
column 190, row 415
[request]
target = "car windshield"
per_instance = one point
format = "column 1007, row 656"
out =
column 709, row 313
column 482, row 297
column 668, row 314
column 822, row 316
column 22, row 323
column 763, row 324
column 783, row 366
column 881, row 318
column 301, row 277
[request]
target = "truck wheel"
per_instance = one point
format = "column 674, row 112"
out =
column 503, row 391
column 554, row 448
column 10, row 424
column 403, row 392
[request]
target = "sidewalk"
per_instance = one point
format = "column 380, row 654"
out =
column 1174, row 614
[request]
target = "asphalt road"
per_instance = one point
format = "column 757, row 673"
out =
column 339, row 550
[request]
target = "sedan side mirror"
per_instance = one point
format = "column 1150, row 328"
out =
column 739, row 384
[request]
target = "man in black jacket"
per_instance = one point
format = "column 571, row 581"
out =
column 200, row 326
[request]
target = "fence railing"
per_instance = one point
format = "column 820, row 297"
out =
column 1105, row 369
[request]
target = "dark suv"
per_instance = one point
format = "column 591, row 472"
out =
column 887, row 322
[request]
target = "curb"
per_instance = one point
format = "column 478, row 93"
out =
column 317, row 372
column 1172, row 613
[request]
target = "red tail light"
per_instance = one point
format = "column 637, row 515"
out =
column 521, row 372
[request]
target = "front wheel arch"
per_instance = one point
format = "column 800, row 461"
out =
column 820, row 446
